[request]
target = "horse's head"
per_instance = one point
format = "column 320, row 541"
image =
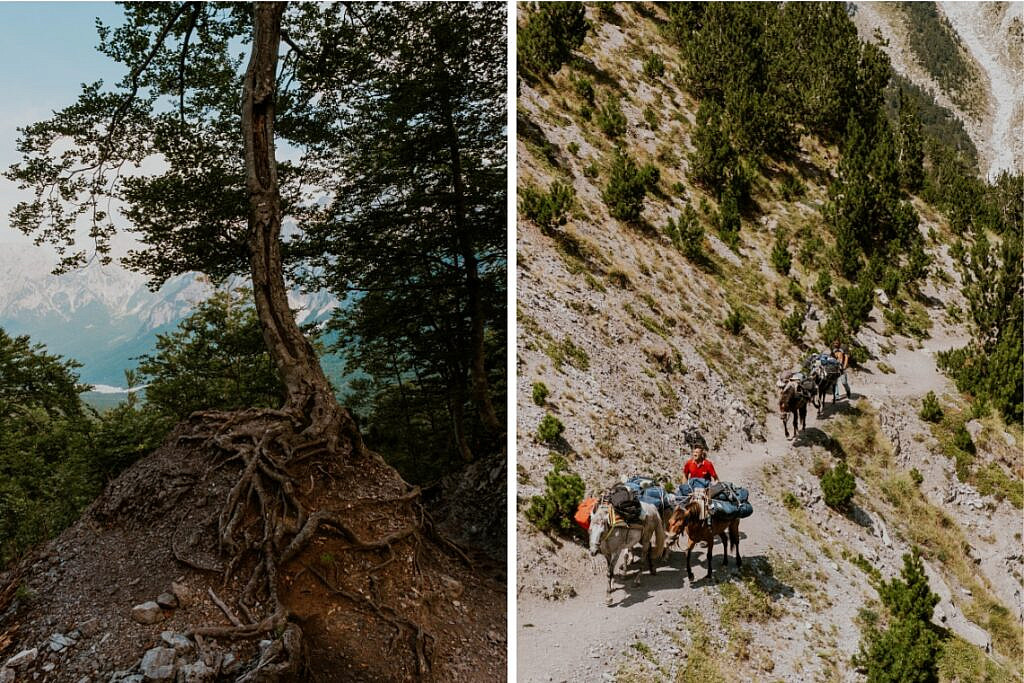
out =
column 680, row 517
column 599, row 522
column 786, row 395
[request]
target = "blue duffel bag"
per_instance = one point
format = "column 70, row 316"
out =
column 655, row 495
column 728, row 510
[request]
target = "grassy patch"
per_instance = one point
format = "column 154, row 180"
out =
column 702, row 653
column 566, row 352
column 961, row 661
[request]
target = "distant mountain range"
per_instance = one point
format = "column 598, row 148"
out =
column 105, row 316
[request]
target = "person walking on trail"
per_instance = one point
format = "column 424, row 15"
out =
column 698, row 467
column 840, row 354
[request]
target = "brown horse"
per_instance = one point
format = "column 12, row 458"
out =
column 793, row 399
column 689, row 517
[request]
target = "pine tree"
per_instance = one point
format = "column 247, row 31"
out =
column 551, row 32
column 911, row 145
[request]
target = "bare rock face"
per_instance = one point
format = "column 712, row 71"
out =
column 147, row 613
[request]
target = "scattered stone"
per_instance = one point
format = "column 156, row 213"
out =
column 177, row 641
column 167, row 601
column 48, row 667
column 195, row 673
column 967, row 591
column 883, row 298
column 23, row 658
column 158, row 664
column 147, row 613
column 183, row 594
column 229, row 662
column 58, row 642
column 973, row 428
column 89, row 628
column 6, row 675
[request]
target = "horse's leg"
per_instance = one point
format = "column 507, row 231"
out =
column 785, row 419
column 734, row 534
column 711, row 546
column 613, row 559
column 689, row 547
column 803, row 415
column 725, row 549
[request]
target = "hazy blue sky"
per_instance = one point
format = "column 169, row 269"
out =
column 47, row 50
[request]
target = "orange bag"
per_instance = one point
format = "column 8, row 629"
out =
column 582, row 515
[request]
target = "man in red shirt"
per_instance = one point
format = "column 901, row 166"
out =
column 699, row 467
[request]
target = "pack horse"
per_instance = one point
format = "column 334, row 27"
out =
column 612, row 536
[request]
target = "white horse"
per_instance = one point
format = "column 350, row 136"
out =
column 612, row 537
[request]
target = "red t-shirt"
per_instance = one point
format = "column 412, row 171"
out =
column 705, row 470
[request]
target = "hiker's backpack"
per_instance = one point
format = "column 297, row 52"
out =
column 625, row 502
column 582, row 516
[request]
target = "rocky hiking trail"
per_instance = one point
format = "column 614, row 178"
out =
column 586, row 638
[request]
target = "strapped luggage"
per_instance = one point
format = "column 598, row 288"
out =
column 625, row 502
column 583, row 510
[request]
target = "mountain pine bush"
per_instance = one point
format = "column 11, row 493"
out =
column 624, row 194
column 563, row 491
column 780, row 257
column 610, row 118
column 547, row 209
column 686, row 233
column 838, row 486
column 551, row 32
column 930, row 409
column 550, row 429
column 907, row 651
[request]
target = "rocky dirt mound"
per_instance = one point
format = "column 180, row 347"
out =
column 138, row 588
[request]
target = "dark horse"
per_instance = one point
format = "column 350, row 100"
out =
column 793, row 399
column 690, row 518
column 825, row 378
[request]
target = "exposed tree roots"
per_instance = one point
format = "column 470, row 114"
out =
column 266, row 521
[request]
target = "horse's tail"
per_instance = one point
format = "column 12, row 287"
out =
column 659, row 537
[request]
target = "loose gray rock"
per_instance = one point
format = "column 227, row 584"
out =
column 58, row 642
column 167, row 601
column 158, row 664
column 90, row 627
column 6, row 675
column 23, row 658
column 147, row 613
column 195, row 673
column 183, row 594
column 177, row 641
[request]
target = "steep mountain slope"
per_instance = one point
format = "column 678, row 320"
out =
column 991, row 36
column 628, row 338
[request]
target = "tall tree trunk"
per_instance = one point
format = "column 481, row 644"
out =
column 308, row 393
column 480, row 387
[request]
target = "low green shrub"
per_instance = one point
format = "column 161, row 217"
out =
column 780, row 257
column 549, row 209
column 733, row 322
column 654, row 66
column 550, row 429
column 624, row 194
column 930, row 411
column 686, row 233
column 838, row 486
column 610, row 119
column 563, row 491
column 540, row 393
column 793, row 324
